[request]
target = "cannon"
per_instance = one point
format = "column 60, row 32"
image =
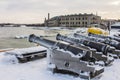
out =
column 100, row 46
column 117, row 35
column 69, row 58
column 114, row 46
column 99, row 56
column 113, row 43
column 105, row 37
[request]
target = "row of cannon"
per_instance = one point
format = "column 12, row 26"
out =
column 81, row 54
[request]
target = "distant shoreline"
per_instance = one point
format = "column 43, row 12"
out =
column 19, row 25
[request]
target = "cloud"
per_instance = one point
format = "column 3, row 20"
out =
column 33, row 10
column 116, row 3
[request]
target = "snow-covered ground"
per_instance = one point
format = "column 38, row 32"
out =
column 112, row 72
column 37, row 70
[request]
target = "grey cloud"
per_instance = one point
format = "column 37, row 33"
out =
column 58, row 7
column 59, row 4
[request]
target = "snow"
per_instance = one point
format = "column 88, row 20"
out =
column 36, row 70
column 113, row 32
column 116, row 24
column 21, row 36
column 9, row 59
column 19, row 52
column 26, row 50
column 112, row 72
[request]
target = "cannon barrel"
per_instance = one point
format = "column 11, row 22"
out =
column 40, row 40
column 113, row 43
column 105, row 37
column 98, row 46
column 116, row 38
column 52, row 44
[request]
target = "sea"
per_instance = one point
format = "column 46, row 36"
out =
column 8, row 35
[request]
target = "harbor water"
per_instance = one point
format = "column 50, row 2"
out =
column 8, row 34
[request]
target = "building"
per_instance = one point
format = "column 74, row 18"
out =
column 108, row 22
column 55, row 21
column 76, row 20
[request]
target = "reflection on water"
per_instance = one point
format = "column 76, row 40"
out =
column 7, row 35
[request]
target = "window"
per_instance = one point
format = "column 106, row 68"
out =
column 83, row 18
column 82, row 22
column 67, row 18
column 94, row 18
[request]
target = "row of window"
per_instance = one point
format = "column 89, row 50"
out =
column 83, row 18
column 74, row 18
column 73, row 23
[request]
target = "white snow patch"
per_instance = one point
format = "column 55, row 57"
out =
column 36, row 70
column 7, row 59
column 26, row 50
column 112, row 72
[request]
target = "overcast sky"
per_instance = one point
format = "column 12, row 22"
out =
column 34, row 11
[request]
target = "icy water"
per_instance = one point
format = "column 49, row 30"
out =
column 7, row 35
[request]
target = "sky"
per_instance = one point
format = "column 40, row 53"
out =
column 34, row 11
